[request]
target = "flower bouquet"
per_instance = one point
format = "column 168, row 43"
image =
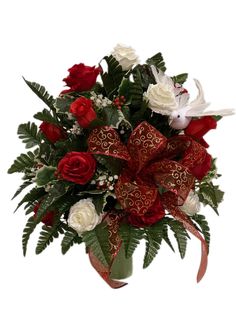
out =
column 119, row 157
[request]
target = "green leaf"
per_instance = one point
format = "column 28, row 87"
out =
column 71, row 237
column 113, row 116
column 45, row 175
column 23, row 162
column 21, row 188
column 34, row 195
column 97, row 241
column 62, row 104
column 41, row 92
column 113, row 77
column 29, row 228
column 201, row 221
column 180, row 79
column 210, row 194
column 99, row 202
column 28, row 133
column 153, row 237
column 47, row 235
column 131, row 237
column 166, row 237
column 124, row 89
column 46, row 116
column 136, row 90
column 158, row 61
column 180, row 234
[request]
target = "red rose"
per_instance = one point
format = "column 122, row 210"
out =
column 47, row 219
column 202, row 170
column 77, row 167
column 153, row 215
column 81, row 78
column 83, row 111
column 52, row 132
column 198, row 128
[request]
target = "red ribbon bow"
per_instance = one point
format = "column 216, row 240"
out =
column 149, row 156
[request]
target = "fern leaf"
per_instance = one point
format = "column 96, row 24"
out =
column 46, row 116
column 180, row 234
column 113, row 77
column 136, row 90
column 41, row 92
column 21, row 188
column 23, row 162
column 166, row 237
column 201, row 221
column 97, row 241
column 153, row 236
column 47, row 235
column 71, row 237
column 33, row 195
column 29, row 228
column 28, row 133
column 131, row 237
column 158, row 61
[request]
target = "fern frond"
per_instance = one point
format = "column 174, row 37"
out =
column 158, row 61
column 47, row 235
column 153, row 237
column 21, row 188
column 71, row 237
column 131, row 237
column 180, row 234
column 23, row 162
column 33, row 195
column 28, row 133
column 46, row 116
column 41, row 92
column 97, row 241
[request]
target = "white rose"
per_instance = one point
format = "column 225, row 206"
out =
column 83, row 216
column 126, row 56
column 191, row 205
column 162, row 96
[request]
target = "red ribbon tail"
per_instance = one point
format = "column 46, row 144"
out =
column 190, row 227
column 104, row 272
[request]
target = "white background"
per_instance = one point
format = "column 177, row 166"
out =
column 41, row 40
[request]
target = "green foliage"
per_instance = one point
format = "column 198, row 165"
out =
column 23, row 162
column 100, row 201
column 131, row 237
column 113, row 116
column 153, row 237
column 41, row 92
column 158, row 61
column 124, row 89
column 180, row 234
column 71, row 237
column 136, row 90
column 165, row 234
column 210, row 194
column 29, row 228
column 180, row 79
column 46, row 116
column 28, row 133
column 47, row 235
column 21, row 188
column 113, row 77
column 97, row 241
column 45, row 175
column 62, row 104
column 201, row 221
column 33, row 195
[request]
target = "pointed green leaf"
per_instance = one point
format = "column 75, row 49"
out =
column 203, row 224
column 46, row 116
column 71, row 237
column 21, row 188
column 158, row 61
column 97, row 241
column 28, row 133
column 23, row 162
column 180, row 234
column 41, row 92
column 131, row 237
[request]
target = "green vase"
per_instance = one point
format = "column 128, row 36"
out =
column 122, row 267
